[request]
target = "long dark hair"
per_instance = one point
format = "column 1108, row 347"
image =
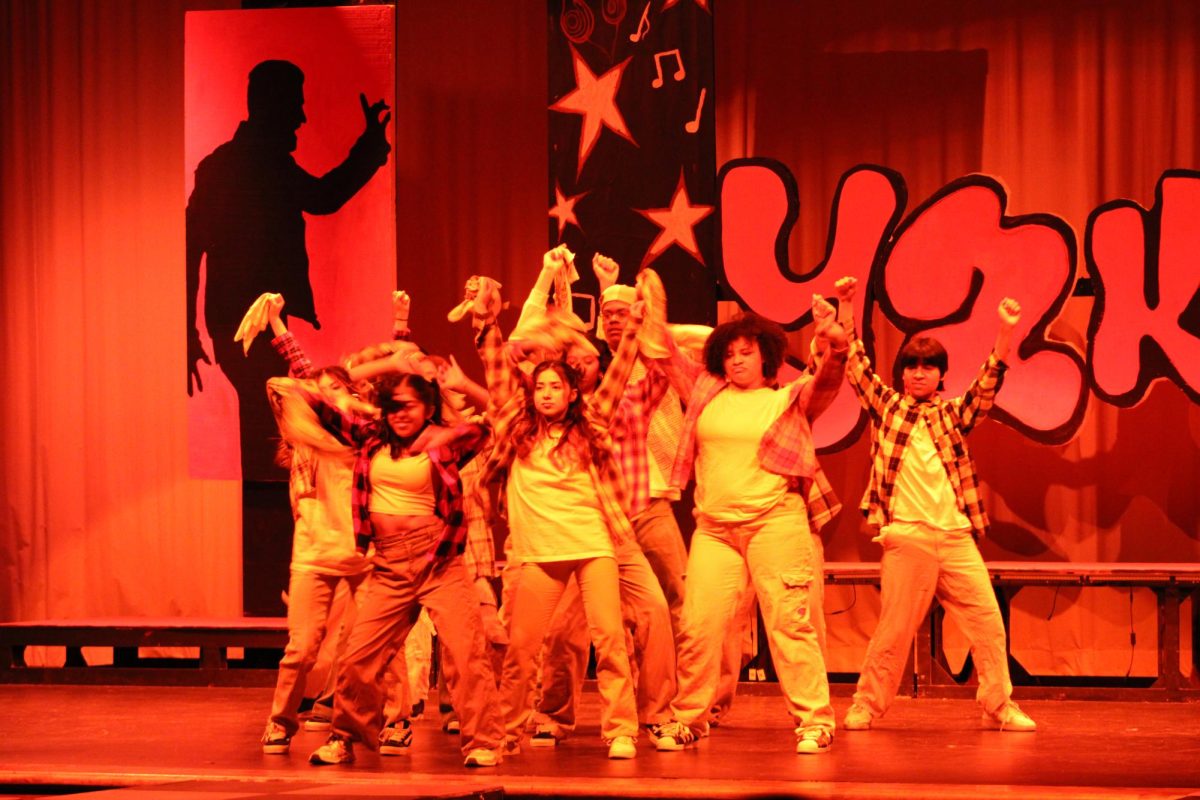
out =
column 426, row 391
column 578, row 444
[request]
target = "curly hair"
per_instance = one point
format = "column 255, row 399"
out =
column 772, row 343
column 578, row 444
column 426, row 391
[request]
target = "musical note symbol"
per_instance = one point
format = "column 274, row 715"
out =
column 643, row 25
column 680, row 73
column 694, row 125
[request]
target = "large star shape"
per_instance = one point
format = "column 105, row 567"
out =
column 595, row 98
column 564, row 209
column 677, row 222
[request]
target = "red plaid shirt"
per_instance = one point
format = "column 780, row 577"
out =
column 894, row 415
column 630, row 433
column 787, row 447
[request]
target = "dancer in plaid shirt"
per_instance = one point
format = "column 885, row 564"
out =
column 923, row 497
column 759, row 488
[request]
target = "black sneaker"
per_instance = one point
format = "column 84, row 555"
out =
column 275, row 740
column 394, row 740
column 672, row 736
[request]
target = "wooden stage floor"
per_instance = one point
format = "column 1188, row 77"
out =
column 202, row 744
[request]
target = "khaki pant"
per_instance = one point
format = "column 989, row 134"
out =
column 658, row 535
column 310, row 597
column 404, row 580
column 645, row 613
column 536, row 595
column 918, row 563
column 774, row 553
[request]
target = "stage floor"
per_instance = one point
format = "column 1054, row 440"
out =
column 202, row 744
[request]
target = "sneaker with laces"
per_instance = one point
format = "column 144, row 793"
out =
column 857, row 718
column 622, row 747
column 544, row 736
column 395, row 740
column 672, row 736
column 276, row 740
column 481, row 757
column 813, row 740
column 336, row 750
column 1010, row 718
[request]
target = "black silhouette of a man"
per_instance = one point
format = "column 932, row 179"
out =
column 246, row 214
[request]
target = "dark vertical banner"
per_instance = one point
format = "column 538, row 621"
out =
column 632, row 143
column 290, row 189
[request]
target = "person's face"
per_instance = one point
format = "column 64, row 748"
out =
column 743, row 364
column 615, row 314
column 921, row 380
column 332, row 386
column 552, row 395
column 407, row 413
column 587, row 364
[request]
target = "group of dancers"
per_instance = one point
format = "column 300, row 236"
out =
column 400, row 466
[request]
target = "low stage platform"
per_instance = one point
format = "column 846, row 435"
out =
column 196, row 743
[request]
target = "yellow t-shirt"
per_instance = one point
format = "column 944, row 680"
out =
column 923, row 491
column 731, row 485
column 553, row 512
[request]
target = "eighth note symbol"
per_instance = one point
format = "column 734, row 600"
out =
column 693, row 125
column 680, row 73
column 643, row 25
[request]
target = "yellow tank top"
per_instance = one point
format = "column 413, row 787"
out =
column 401, row 486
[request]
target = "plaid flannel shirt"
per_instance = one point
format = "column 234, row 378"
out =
column 787, row 447
column 506, row 404
column 894, row 415
column 302, row 474
column 631, row 432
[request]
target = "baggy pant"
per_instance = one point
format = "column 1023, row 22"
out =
column 774, row 553
column 536, row 595
column 310, row 597
column 645, row 613
column 920, row 562
column 405, row 579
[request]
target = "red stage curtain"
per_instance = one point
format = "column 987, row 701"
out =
column 100, row 517
column 1080, row 103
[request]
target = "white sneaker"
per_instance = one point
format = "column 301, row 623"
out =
column 813, row 740
column 546, row 735
column 622, row 747
column 857, row 718
column 335, row 751
column 481, row 757
column 1010, row 718
column 316, row 724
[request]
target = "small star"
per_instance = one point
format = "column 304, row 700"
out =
column 564, row 209
column 595, row 98
column 677, row 222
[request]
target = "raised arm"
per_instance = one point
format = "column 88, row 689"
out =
column 452, row 377
column 980, row 396
column 603, row 405
column 872, row 392
column 299, row 364
column 831, row 371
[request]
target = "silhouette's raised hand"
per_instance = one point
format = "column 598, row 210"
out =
column 371, row 115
